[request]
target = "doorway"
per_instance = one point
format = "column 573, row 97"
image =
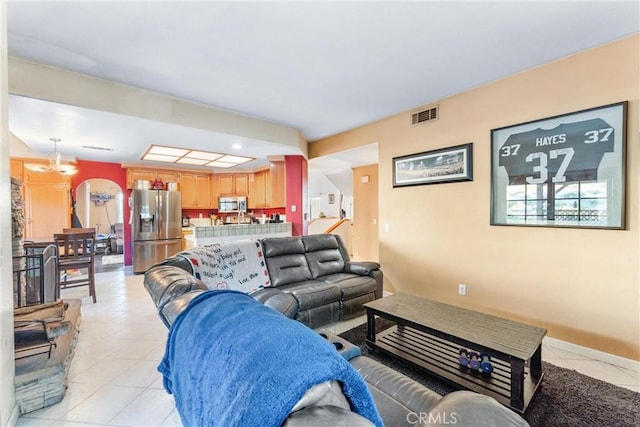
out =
column 100, row 205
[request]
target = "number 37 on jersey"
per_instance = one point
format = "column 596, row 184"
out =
column 569, row 152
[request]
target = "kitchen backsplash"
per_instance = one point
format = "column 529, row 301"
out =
column 200, row 222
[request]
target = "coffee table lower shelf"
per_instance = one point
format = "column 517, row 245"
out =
column 440, row 357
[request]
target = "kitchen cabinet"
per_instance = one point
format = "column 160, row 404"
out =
column 46, row 199
column 231, row 184
column 47, row 208
column 267, row 188
column 277, row 185
column 196, row 190
column 32, row 177
column 165, row 175
column 16, row 169
column 186, row 243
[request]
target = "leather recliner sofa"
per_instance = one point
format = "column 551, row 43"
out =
column 312, row 279
column 400, row 400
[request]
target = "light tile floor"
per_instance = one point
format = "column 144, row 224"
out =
column 113, row 379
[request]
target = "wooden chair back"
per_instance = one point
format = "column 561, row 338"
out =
column 76, row 251
column 75, row 246
column 79, row 230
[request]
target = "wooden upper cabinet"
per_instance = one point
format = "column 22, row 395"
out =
column 277, row 185
column 267, row 189
column 47, row 209
column 16, row 169
column 142, row 174
column 228, row 184
column 257, row 189
column 167, row 176
column 225, row 184
column 43, row 177
column 242, row 184
column 196, row 190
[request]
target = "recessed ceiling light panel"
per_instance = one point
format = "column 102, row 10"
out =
column 235, row 159
column 204, row 155
column 160, row 158
column 217, row 164
column 160, row 153
column 167, row 151
column 190, row 161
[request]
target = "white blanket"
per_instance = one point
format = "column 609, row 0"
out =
column 237, row 265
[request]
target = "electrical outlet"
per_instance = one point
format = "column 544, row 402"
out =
column 462, row 289
column 386, row 228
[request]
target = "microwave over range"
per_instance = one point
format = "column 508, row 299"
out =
column 232, row 204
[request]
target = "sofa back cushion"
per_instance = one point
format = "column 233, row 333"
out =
column 285, row 260
column 325, row 254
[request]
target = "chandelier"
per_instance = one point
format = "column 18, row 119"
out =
column 55, row 163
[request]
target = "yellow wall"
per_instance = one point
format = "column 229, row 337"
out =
column 583, row 285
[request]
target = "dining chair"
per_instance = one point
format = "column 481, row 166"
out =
column 79, row 230
column 76, row 251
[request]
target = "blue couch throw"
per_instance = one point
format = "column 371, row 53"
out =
column 231, row 361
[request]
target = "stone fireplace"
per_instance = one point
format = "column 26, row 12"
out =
column 41, row 378
column 34, row 265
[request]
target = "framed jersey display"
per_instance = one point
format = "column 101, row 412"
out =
column 562, row 171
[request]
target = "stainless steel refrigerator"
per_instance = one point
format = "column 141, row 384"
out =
column 156, row 226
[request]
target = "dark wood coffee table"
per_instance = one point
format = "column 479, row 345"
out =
column 430, row 335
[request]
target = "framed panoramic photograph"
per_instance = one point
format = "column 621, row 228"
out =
column 434, row 167
column 562, row 171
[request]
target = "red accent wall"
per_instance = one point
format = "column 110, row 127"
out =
column 296, row 193
column 117, row 174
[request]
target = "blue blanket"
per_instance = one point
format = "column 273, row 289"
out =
column 230, row 361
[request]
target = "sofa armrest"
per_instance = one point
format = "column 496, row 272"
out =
column 173, row 308
column 367, row 268
column 278, row 300
column 166, row 283
column 362, row 268
column 177, row 261
column 395, row 394
column 466, row 408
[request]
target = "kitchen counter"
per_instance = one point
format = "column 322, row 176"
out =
column 203, row 235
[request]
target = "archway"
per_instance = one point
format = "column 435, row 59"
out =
column 100, row 205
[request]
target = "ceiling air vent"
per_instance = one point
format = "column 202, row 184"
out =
column 93, row 147
column 424, row 116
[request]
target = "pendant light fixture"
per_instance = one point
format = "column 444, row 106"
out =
column 55, row 163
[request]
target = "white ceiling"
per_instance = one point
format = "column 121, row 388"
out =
column 319, row 67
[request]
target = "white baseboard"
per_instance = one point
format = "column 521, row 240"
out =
column 593, row 354
column 13, row 418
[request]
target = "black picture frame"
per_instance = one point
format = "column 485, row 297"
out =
column 567, row 170
column 451, row 164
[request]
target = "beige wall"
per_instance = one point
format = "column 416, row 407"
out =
column 583, row 285
column 364, row 237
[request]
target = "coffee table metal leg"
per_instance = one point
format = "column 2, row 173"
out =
column 371, row 326
column 517, row 384
column 535, row 364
